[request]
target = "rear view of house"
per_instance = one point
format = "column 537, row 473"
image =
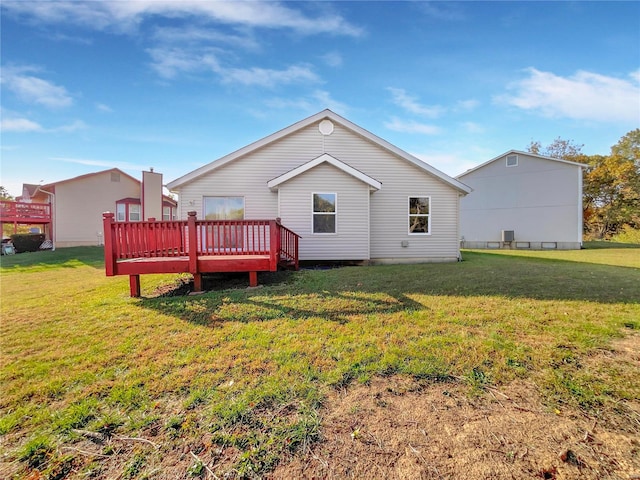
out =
column 349, row 194
column 522, row 200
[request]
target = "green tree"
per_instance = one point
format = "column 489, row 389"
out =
column 559, row 148
column 4, row 194
column 611, row 187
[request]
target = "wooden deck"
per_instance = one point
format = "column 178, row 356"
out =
column 197, row 247
column 22, row 213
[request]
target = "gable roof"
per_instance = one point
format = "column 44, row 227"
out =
column 324, row 158
column 518, row 152
column 325, row 114
column 87, row 175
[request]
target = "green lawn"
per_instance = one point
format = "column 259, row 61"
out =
column 249, row 368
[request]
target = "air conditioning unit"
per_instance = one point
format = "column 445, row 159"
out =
column 508, row 235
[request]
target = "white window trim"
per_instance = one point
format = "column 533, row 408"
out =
column 313, row 213
column 507, row 161
column 139, row 212
column 428, row 215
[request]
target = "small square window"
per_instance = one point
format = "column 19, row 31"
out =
column 512, row 160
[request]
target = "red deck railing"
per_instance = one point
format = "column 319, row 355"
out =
column 24, row 213
column 203, row 244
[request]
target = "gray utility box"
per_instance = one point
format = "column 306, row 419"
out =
column 508, row 235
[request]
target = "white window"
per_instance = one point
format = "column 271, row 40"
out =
column 168, row 213
column 134, row 213
column 512, row 160
column 324, row 212
column 419, row 215
column 121, row 212
column 224, row 208
column 128, row 209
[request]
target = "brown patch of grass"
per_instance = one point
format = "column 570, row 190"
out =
column 399, row 428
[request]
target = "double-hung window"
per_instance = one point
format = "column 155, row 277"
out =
column 324, row 213
column 419, row 215
column 128, row 209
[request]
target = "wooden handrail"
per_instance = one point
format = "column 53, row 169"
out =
column 194, row 238
column 23, row 211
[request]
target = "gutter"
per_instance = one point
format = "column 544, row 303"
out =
column 53, row 209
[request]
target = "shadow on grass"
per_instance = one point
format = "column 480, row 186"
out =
column 339, row 294
column 71, row 257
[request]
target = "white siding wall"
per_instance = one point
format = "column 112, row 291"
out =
column 248, row 176
column 540, row 200
column 351, row 241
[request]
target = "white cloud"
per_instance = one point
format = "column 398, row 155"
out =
column 398, row 125
column 104, row 108
column 196, row 35
column 450, row 163
column 32, row 89
column 582, row 96
column 19, row 125
column 71, row 127
column 12, row 122
column 473, row 127
column 266, row 77
column 173, row 61
column 315, row 102
column 126, row 16
column 332, row 59
column 467, row 105
column 101, row 163
column 169, row 62
column 411, row 104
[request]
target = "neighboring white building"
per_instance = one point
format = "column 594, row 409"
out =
column 349, row 194
column 522, row 200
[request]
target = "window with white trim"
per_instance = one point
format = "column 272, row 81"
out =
column 512, row 160
column 121, row 212
column 134, row 212
column 324, row 213
column 169, row 213
column 128, row 209
column 419, row 215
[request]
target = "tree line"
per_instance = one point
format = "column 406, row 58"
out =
column 611, row 183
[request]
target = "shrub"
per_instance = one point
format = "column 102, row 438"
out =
column 27, row 242
column 627, row 235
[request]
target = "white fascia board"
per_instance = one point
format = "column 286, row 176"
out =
column 325, row 157
column 518, row 152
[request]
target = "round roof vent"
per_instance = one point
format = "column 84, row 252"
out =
column 326, row 127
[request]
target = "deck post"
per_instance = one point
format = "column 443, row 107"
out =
column 134, row 285
column 109, row 245
column 192, row 234
column 274, row 247
column 253, row 279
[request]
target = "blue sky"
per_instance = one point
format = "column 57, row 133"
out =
column 174, row 85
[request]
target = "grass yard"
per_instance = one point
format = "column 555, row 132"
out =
column 510, row 364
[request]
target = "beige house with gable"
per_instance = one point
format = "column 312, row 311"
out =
column 77, row 204
column 349, row 194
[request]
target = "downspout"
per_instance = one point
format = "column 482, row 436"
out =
column 53, row 223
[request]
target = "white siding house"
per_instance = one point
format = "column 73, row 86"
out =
column 538, row 199
column 349, row 194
